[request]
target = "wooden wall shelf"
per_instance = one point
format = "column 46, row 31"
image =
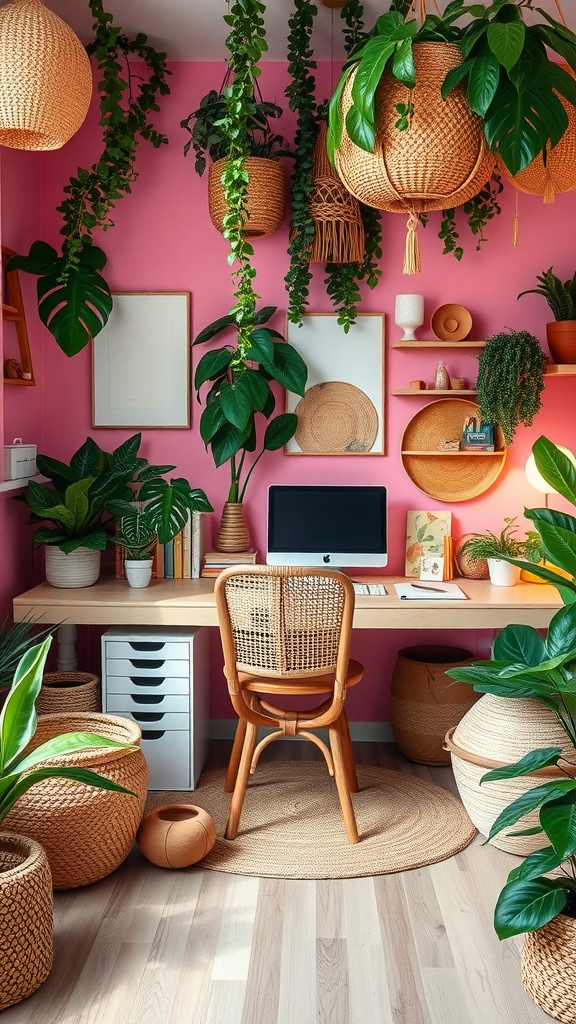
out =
column 434, row 343
column 560, row 370
column 425, row 393
column 13, row 312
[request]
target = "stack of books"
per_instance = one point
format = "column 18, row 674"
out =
column 182, row 557
column 216, row 561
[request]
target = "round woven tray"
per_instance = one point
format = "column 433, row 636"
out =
column 336, row 417
column 69, row 691
column 448, row 477
column 451, row 322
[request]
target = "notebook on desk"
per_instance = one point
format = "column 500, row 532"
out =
column 430, row 591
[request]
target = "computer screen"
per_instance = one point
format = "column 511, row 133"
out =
column 327, row 525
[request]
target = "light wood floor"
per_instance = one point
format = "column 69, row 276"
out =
column 148, row 946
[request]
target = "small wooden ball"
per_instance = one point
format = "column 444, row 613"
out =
column 176, row 835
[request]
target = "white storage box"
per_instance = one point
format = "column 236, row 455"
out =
column 19, row 460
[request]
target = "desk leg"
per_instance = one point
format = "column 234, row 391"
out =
column 66, row 655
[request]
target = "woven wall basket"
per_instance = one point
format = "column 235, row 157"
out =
column 265, row 201
column 497, row 731
column 86, row 832
column 559, row 172
column 549, row 968
column 442, row 159
column 26, row 950
column 69, row 691
column 46, row 80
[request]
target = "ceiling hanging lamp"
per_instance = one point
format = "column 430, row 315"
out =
column 45, row 78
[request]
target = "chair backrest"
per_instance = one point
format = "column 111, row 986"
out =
column 279, row 621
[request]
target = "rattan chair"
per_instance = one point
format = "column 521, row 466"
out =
column 285, row 632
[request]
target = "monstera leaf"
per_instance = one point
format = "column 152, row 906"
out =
column 74, row 301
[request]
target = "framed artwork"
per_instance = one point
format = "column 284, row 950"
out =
column 141, row 362
column 342, row 411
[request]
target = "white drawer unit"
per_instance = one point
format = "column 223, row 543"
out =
column 158, row 676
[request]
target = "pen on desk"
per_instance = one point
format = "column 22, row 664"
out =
column 434, row 590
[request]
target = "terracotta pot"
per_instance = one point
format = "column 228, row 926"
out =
column 26, row 949
column 176, row 835
column 549, row 968
column 233, row 532
column 561, row 338
column 425, row 702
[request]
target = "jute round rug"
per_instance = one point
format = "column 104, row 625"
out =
column 291, row 825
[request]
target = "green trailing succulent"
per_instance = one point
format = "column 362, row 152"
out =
column 560, row 295
column 74, row 300
column 510, row 380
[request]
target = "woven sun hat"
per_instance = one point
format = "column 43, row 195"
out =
column 451, row 322
column 335, row 417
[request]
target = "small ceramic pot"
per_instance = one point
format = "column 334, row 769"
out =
column 503, row 574
column 138, row 571
column 176, row 835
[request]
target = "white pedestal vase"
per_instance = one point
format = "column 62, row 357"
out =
column 138, row 571
column 503, row 574
column 80, row 568
column 409, row 314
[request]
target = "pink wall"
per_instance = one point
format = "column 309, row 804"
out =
column 164, row 241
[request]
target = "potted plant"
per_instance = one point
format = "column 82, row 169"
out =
column 239, row 390
column 157, row 512
column 15, row 639
column 25, row 880
column 561, row 298
column 492, row 547
column 510, row 380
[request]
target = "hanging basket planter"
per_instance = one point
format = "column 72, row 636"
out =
column 440, row 161
column 265, row 199
column 338, row 226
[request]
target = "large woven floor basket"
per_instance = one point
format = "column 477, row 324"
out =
column 25, row 918
column 549, row 968
column 498, row 731
column 86, row 832
column 441, row 161
column 265, row 199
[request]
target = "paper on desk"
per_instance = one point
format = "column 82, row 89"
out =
column 442, row 592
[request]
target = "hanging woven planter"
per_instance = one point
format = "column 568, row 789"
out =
column 558, row 174
column 338, row 226
column 265, row 199
column 439, row 162
column 45, row 80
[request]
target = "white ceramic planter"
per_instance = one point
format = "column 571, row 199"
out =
column 503, row 574
column 80, row 568
column 138, row 571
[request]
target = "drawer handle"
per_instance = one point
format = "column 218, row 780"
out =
column 143, row 663
column 147, row 698
column 146, row 645
column 145, row 681
column 153, row 734
column 147, row 716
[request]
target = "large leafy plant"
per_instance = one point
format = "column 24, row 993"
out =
column 19, row 770
column 74, row 300
column 239, row 378
column 560, row 295
column 526, row 665
column 510, row 79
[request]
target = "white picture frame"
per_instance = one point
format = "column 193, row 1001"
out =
column 343, row 366
column 141, row 362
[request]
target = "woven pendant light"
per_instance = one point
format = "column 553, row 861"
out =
column 338, row 227
column 45, row 78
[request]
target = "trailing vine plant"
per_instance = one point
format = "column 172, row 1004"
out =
column 510, row 380
column 74, row 300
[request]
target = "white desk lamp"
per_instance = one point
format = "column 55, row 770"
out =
column 535, row 478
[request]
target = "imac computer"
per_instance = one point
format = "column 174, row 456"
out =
column 337, row 526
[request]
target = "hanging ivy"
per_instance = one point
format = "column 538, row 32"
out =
column 74, row 300
column 300, row 94
column 479, row 211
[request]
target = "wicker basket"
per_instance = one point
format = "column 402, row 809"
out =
column 25, row 918
column 265, row 199
column 498, row 731
column 86, row 832
column 441, row 161
column 69, row 692
column 549, row 968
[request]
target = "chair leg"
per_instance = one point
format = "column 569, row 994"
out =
column 334, row 732
column 232, row 770
column 348, row 755
column 237, row 800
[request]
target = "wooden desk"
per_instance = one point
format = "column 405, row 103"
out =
column 191, row 603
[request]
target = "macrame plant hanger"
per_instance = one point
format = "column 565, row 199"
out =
column 338, row 227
